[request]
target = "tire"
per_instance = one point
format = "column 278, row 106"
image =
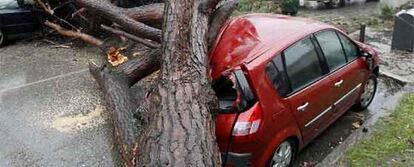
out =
column 284, row 159
column 370, row 88
column 335, row 3
column 2, row 38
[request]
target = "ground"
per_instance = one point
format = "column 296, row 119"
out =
column 52, row 112
column 392, row 142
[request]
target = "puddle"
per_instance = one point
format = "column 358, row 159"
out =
column 71, row 124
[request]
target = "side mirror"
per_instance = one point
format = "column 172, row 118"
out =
column 365, row 54
column 368, row 59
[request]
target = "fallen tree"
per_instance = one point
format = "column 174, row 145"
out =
column 174, row 123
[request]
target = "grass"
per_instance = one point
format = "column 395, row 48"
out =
column 260, row 6
column 388, row 12
column 392, row 143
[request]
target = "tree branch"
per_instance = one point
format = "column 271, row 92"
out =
column 122, row 107
column 138, row 68
column 147, row 43
column 115, row 14
column 76, row 34
column 152, row 13
column 220, row 16
column 45, row 7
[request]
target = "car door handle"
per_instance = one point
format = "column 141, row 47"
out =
column 339, row 83
column 303, row 107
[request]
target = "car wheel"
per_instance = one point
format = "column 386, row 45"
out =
column 335, row 3
column 368, row 95
column 2, row 38
column 283, row 155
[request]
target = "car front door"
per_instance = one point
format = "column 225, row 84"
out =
column 346, row 69
column 310, row 90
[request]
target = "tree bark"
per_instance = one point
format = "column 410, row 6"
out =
column 220, row 16
column 181, row 127
column 117, row 15
column 140, row 67
column 122, row 107
column 152, row 13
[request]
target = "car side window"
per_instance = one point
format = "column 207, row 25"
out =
column 277, row 75
column 302, row 64
column 331, row 48
column 351, row 50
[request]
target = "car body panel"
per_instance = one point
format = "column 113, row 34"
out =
column 15, row 22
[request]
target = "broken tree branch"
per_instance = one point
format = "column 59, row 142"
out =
column 46, row 7
column 220, row 16
column 122, row 107
column 76, row 34
column 147, row 43
column 79, row 13
column 147, row 13
column 117, row 15
column 138, row 68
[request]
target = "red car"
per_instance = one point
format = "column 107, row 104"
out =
column 281, row 81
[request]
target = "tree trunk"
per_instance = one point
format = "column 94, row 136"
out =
column 174, row 123
column 181, row 127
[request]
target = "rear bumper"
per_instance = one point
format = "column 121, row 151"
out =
column 237, row 159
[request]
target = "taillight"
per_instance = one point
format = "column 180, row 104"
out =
column 248, row 122
column 246, row 128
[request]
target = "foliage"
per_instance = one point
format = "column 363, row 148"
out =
column 393, row 142
column 387, row 12
column 261, row 6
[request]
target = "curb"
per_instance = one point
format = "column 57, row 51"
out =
column 396, row 77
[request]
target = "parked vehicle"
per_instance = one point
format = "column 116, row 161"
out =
column 16, row 22
column 281, row 81
column 339, row 3
column 333, row 3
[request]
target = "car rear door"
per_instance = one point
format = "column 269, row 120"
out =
column 346, row 70
column 310, row 91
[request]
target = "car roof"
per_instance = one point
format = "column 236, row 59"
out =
column 245, row 37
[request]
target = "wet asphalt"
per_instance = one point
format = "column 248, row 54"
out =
column 51, row 110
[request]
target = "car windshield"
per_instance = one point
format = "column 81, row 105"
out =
column 8, row 4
